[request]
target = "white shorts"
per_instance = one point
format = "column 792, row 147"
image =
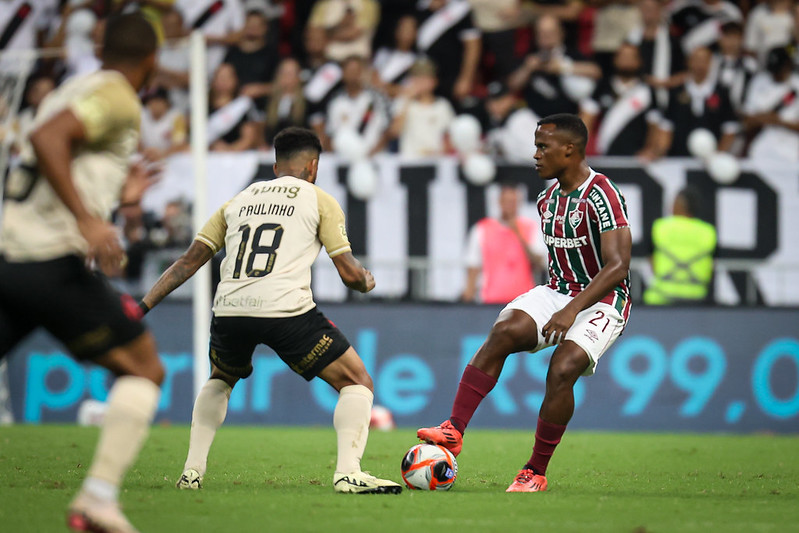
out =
column 594, row 330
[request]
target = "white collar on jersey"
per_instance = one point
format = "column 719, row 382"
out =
column 591, row 175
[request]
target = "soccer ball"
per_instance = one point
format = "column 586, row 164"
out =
column 429, row 467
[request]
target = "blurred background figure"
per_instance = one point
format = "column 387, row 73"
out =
column 357, row 109
column 735, row 68
column 163, row 129
column 613, row 22
column 321, row 77
column 350, row 26
column 38, row 87
column 173, row 60
column 231, row 123
column 448, row 36
column 700, row 102
column 392, row 64
column 697, row 22
column 286, row 105
column 254, row 57
column 769, row 25
column 662, row 59
column 421, row 118
column 624, row 107
column 497, row 21
column 508, row 123
column 682, row 255
column 220, row 22
column 771, row 110
column 504, row 254
column 553, row 78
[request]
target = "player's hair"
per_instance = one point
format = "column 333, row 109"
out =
column 291, row 141
column 692, row 199
column 129, row 38
column 570, row 124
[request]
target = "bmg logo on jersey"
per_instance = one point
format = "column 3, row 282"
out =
column 290, row 192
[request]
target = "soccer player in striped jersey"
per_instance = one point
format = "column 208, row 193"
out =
column 582, row 310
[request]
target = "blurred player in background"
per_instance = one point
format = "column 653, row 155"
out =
column 272, row 232
column 74, row 170
column 582, row 310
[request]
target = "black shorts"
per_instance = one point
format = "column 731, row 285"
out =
column 307, row 342
column 76, row 305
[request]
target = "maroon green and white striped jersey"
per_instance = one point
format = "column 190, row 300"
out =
column 571, row 224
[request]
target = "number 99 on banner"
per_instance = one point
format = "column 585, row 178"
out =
column 697, row 366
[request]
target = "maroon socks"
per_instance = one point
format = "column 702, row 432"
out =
column 474, row 386
column 547, row 437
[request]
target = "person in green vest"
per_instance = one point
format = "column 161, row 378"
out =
column 682, row 257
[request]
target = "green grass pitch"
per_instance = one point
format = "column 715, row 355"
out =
column 279, row 479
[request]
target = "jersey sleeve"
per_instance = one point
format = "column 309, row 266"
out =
column 214, row 231
column 109, row 107
column 609, row 206
column 332, row 230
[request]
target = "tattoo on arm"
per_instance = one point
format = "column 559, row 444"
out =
column 196, row 256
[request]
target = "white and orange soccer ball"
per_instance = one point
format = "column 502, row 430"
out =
column 429, row 467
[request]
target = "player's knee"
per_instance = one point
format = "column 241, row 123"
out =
column 563, row 373
column 505, row 336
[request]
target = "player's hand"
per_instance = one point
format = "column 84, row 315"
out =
column 141, row 176
column 370, row 281
column 104, row 246
column 558, row 325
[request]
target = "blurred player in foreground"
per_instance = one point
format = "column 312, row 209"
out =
column 582, row 310
column 272, row 232
column 74, row 170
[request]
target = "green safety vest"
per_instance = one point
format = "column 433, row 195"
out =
column 682, row 261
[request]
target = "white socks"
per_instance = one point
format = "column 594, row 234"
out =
column 210, row 409
column 132, row 403
column 351, row 421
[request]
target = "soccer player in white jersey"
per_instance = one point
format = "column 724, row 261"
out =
column 582, row 310
column 272, row 232
column 75, row 169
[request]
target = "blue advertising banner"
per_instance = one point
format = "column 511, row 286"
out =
column 704, row 369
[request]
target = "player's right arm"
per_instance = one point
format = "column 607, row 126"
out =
column 332, row 233
column 206, row 244
column 353, row 273
column 53, row 143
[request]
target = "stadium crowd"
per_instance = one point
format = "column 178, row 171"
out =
column 641, row 73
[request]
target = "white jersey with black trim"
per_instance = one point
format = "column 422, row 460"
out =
column 272, row 232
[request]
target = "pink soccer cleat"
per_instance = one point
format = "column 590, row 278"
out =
column 444, row 435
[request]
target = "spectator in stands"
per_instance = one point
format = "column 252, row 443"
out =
column 231, row 125
column 613, row 21
column 356, row 108
column 553, row 79
column 220, row 22
column 163, row 128
column 349, row 24
column 701, row 102
column 421, row 118
column 24, row 24
column 624, row 107
column 508, row 123
column 173, row 61
column 682, row 255
column 735, row 69
column 391, row 65
column 37, row 88
column 698, row 22
column 503, row 254
column 253, row 58
column 771, row 110
column 286, row 105
column 448, row 36
column 497, row 21
column 322, row 78
column 661, row 54
column 768, row 25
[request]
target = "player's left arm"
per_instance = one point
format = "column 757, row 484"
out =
column 616, row 250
